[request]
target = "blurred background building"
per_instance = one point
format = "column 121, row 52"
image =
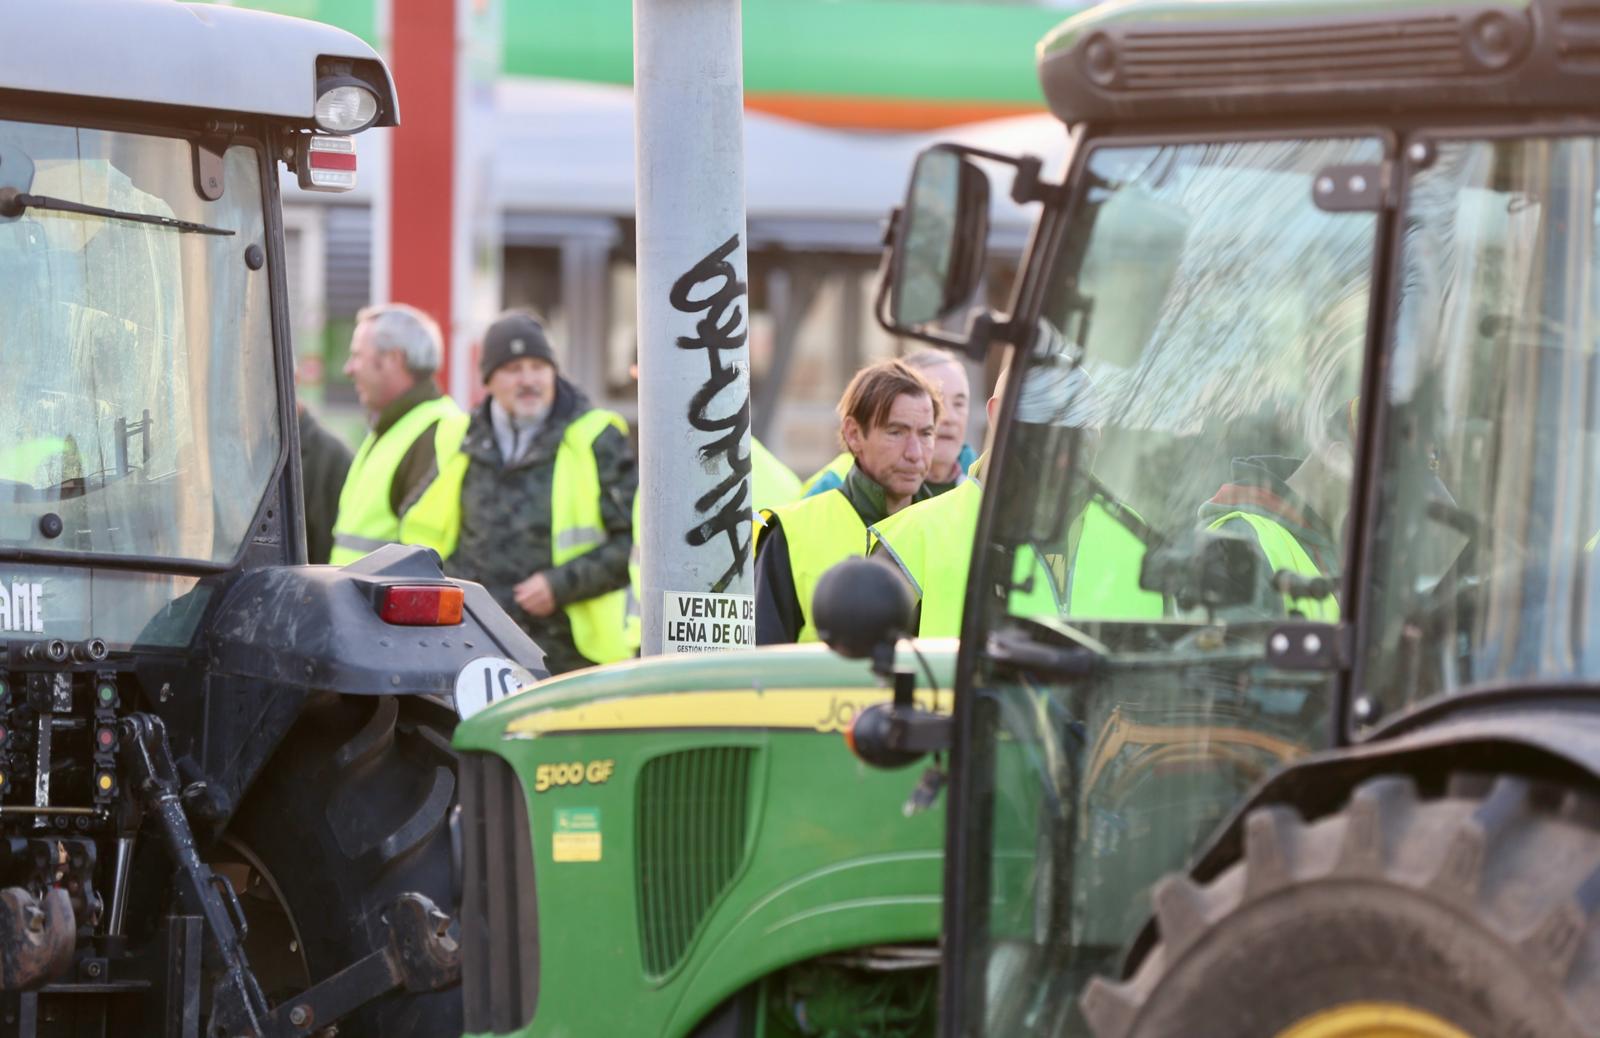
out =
column 840, row 97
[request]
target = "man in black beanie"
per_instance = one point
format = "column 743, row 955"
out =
column 546, row 501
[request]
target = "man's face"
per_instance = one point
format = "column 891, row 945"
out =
column 380, row 376
column 896, row 452
column 952, row 382
column 524, row 388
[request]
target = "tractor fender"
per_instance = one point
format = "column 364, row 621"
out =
column 1549, row 736
column 318, row 627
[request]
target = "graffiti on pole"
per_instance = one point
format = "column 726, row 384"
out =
column 712, row 289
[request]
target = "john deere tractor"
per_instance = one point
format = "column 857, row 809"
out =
column 1313, row 312
column 225, row 776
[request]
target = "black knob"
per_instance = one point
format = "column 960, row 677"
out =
column 50, row 525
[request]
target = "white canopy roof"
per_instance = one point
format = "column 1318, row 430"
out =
column 164, row 52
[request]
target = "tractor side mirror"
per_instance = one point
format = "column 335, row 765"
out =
column 861, row 608
column 940, row 240
column 1206, row 570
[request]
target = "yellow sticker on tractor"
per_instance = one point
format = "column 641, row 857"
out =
column 576, row 834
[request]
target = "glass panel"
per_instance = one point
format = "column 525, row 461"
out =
column 123, row 609
column 1184, row 441
column 1484, row 561
column 137, row 416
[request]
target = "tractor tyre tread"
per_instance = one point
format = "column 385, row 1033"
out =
column 1489, row 894
column 351, row 812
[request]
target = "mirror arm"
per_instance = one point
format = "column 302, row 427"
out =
column 1027, row 186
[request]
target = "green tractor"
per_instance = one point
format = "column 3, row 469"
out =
column 1312, row 314
column 1326, row 277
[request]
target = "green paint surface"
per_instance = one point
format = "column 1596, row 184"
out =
column 829, row 860
column 966, row 52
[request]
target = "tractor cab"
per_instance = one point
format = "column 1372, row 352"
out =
column 225, row 781
column 1295, row 457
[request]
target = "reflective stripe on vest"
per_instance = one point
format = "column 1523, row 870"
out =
column 365, row 521
column 932, row 543
column 820, row 531
column 600, row 627
column 1284, row 551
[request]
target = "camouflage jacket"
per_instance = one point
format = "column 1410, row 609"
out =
column 505, row 523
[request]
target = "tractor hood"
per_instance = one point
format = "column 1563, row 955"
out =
column 802, row 687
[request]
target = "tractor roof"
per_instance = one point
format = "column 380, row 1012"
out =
column 169, row 53
column 1152, row 61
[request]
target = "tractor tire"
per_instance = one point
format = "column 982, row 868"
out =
column 352, row 811
column 1466, row 915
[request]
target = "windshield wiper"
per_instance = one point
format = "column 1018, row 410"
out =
column 14, row 202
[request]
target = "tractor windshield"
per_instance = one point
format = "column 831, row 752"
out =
column 1174, row 484
column 138, row 415
column 1485, row 571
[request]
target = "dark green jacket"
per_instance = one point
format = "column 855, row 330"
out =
column 505, row 523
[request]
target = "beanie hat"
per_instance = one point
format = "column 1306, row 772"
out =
column 514, row 335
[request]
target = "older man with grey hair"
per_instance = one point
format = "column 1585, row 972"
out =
column 414, row 429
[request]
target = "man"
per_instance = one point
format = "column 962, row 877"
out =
column 541, row 495
column 414, row 427
column 931, row 542
column 952, row 456
column 1291, row 509
column 888, row 419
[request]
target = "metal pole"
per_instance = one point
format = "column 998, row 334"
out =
column 697, row 581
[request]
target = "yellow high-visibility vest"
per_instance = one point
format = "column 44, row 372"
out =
column 932, row 543
column 820, row 531
column 600, row 627
column 1284, row 551
column 366, row 522
column 772, row 483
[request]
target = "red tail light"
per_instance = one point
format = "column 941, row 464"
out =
column 325, row 163
column 420, row 605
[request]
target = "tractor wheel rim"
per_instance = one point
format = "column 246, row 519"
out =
column 1373, row 1020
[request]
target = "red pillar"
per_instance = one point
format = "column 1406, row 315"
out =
column 422, row 58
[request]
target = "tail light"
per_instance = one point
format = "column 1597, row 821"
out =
column 325, row 163
column 420, row 605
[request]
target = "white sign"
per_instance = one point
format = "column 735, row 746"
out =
column 707, row 622
column 487, row 680
column 22, row 608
